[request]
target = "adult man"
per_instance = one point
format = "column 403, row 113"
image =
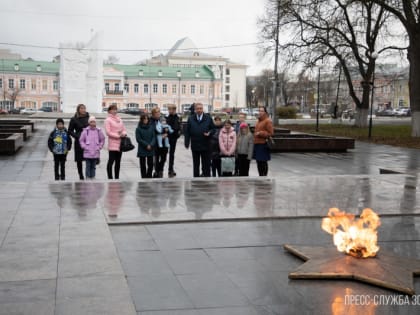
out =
column 199, row 127
column 172, row 120
column 160, row 152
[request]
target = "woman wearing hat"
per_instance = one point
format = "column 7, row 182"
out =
column 115, row 130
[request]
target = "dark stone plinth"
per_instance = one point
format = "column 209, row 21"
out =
column 23, row 129
column 310, row 143
column 18, row 122
column 10, row 142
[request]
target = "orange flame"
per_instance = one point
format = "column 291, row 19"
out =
column 355, row 237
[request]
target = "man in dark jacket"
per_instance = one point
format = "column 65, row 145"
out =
column 199, row 128
column 172, row 120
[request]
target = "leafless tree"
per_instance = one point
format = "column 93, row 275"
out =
column 352, row 33
column 408, row 13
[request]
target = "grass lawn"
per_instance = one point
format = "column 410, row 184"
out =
column 397, row 135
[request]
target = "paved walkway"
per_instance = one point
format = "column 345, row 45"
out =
column 65, row 248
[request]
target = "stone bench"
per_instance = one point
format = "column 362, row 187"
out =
column 18, row 122
column 311, row 143
column 10, row 142
column 24, row 129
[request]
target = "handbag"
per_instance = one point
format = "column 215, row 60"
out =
column 270, row 142
column 228, row 164
column 126, row 144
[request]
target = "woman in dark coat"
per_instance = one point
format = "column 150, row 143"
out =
column 77, row 123
column 146, row 138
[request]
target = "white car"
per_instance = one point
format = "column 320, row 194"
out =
column 29, row 111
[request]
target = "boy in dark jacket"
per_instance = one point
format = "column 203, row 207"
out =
column 59, row 143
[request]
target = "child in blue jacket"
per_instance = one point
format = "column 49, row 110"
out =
column 59, row 143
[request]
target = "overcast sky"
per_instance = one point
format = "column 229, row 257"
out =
column 133, row 25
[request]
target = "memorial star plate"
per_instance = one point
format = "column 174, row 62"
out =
column 385, row 270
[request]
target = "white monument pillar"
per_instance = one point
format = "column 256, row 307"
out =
column 81, row 75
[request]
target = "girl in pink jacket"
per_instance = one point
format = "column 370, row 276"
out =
column 91, row 140
column 227, row 143
column 115, row 130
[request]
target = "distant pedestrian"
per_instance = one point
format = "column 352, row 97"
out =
column 77, row 123
column 92, row 141
column 173, row 120
column 244, row 149
column 161, row 152
column 115, row 130
column 197, row 133
column 59, row 143
column 227, row 144
column 263, row 130
column 146, row 138
column 215, row 148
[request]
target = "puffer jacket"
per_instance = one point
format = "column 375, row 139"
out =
column 113, row 126
column 92, row 141
column 145, row 135
column 245, row 145
column 59, row 141
column 227, row 141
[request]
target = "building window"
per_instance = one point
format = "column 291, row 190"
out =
column 227, row 88
column 173, row 89
column 155, row 88
column 1, row 83
column 136, row 88
column 227, row 71
column 55, row 85
column 164, row 88
column 146, row 89
column 227, row 80
column 227, row 97
column 192, row 89
column 44, row 85
column 11, row 84
column 126, row 87
column 107, row 87
column 22, row 84
column 201, row 89
column 184, row 88
column 116, row 87
column 33, row 84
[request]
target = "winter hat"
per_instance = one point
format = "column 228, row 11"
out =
column 59, row 120
column 91, row 118
column 243, row 125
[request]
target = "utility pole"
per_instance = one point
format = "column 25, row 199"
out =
column 276, row 75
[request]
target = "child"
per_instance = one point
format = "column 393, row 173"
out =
column 91, row 140
column 163, row 131
column 227, row 145
column 244, row 149
column 59, row 143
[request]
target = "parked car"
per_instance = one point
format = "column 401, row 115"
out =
column 16, row 110
column 3, row 111
column 403, row 112
column 28, row 111
column 46, row 109
column 134, row 111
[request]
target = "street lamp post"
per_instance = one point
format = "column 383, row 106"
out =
column 374, row 56
column 317, row 103
column 178, row 74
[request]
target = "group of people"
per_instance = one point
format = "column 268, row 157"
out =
column 155, row 138
column 221, row 148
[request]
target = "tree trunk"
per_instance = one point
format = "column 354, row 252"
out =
column 414, row 84
column 362, row 118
